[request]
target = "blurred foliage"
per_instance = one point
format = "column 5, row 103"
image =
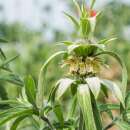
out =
column 114, row 21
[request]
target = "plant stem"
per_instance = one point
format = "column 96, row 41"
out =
column 48, row 122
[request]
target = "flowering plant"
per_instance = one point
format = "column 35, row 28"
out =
column 84, row 62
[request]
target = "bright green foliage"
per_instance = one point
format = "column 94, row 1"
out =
column 83, row 61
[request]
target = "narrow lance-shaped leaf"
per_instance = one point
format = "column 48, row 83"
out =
column 92, row 3
column 84, row 99
column 6, row 62
column 105, row 41
column 41, row 87
column 73, row 20
column 17, row 122
column 77, row 6
column 96, row 113
column 30, row 89
column 59, row 113
column 3, row 57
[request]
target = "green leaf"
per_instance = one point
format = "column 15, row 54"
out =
column 124, row 70
column 75, row 22
column 77, row 6
column 17, row 122
column 12, row 113
column 96, row 113
column 6, row 62
column 41, row 87
column 94, row 85
column 127, row 100
column 10, row 102
column 105, row 41
column 92, row 3
column 59, row 113
column 115, row 89
column 84, row 99
column 12, row 78
column 67, row 43
column 123, row 125
column 107, row 107
column 63, row 86
column 3, row 40
column 3, row 57
column 73, row 107
column 30, row 89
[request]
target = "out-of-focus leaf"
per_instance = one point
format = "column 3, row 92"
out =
column 84, row 99
column 17, row 122
column 115, row 89
column 41, row 87
column 10, row 102
column 94, row 85
column 3, row 57
column 92, row 21
column 12, row 78
column 12, row 113
column 123, row 125
column 67, row 43
column 6, row 62
column 30, row 89
column 105, row 41
column 2, row 40
column 75, row 22
column 92, row 3
column 77, row 6
column 63, row 85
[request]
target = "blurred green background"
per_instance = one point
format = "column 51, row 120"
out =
column 34, row 30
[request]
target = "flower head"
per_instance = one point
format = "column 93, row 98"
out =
column 93, row 13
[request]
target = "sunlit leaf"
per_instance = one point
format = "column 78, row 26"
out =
column 64, row 84
column 94, row 85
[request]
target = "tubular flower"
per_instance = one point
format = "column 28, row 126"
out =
column 83, row 66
